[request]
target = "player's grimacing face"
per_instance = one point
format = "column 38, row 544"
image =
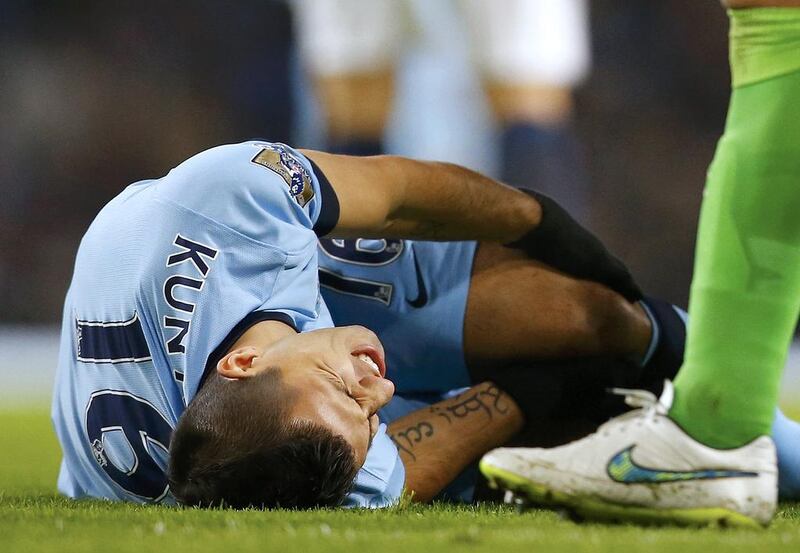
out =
column 339, row 376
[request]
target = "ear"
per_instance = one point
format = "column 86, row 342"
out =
column 238, row 363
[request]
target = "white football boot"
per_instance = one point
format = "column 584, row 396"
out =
column 642, row 467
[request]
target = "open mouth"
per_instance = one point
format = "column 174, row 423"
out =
column 368, row 360
column 373, row 358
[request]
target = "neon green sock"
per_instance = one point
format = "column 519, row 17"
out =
column 745, row 293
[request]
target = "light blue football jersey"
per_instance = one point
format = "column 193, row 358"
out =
column 170, row 273
column 413, row 295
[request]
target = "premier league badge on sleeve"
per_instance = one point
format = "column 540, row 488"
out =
column 279, row 160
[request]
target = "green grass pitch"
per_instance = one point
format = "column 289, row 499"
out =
column 33, row 519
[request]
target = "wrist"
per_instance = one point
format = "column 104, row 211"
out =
column 528, row 215
column 542, row 225
column 532, row 210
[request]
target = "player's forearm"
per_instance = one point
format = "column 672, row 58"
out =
column 438, row 442
column 442, row 201
column 396, row 197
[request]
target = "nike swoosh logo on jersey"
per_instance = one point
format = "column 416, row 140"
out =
column 622, row 468
column 422, row 294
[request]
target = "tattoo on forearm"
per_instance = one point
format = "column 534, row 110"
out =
column 439, row 411
column 412, row 435
column 469, row 405
column 496, row 394
column 488, row 400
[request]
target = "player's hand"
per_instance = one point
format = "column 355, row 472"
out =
column 561, row 242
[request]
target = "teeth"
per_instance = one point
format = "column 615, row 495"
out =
column 368, row 360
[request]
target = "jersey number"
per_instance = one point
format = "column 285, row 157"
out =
column 127, row 435
column 365, row 252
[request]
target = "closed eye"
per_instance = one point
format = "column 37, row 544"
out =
column 340, row 385
column 336, row 380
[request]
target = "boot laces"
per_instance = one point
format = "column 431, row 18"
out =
column 645, row 403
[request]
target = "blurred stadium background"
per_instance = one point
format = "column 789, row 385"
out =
column 96, row 95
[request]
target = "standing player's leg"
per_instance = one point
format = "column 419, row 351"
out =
column 746, row 286
column 350, row 47
column 532, row 54
column 745, row 300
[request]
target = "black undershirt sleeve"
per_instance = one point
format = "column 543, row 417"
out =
column 329, row 215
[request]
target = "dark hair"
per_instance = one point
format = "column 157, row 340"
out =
column 235, row 446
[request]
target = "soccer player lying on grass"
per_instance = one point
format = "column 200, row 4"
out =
column 219, row 256
column 451, row 315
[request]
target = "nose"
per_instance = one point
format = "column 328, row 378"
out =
column 377, row 390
